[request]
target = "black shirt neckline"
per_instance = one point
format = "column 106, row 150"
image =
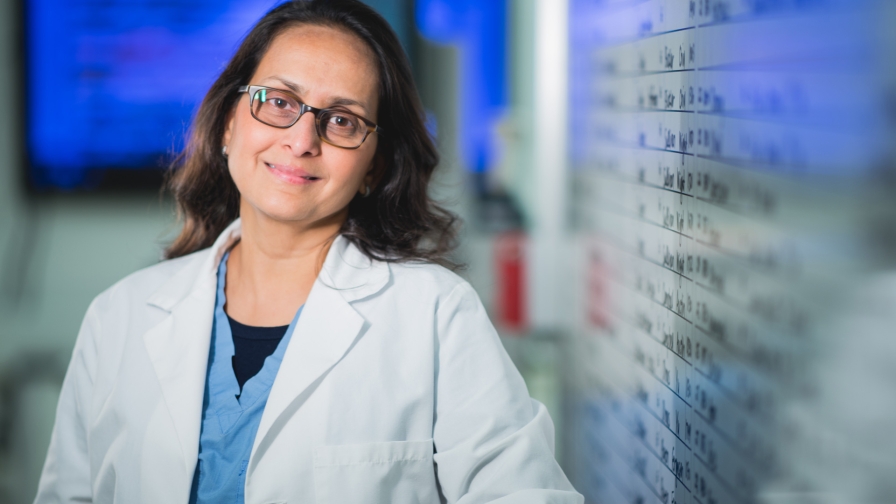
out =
column 244, row 331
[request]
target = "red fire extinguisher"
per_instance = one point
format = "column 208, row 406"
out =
column 510, row 281
column 598, row 295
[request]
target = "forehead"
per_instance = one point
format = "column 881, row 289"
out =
column 325, row 63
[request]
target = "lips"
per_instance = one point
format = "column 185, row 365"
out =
column 291, row 174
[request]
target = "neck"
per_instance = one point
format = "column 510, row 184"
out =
column 273, row 267
column 268, row 242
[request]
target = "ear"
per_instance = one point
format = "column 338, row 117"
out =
column 377, row 170
column 374, row 174
column 228, row 127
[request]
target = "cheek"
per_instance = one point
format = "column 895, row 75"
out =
column 349, row 168
column 250, row 136
column 246, row 142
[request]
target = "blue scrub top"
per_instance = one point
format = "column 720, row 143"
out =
column 230, row 419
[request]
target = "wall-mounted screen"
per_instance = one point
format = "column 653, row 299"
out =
column 111, row 85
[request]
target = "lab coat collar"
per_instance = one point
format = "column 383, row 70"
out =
column 196, row 272
column 350, row 272
column 179, row 345
column 346, row 269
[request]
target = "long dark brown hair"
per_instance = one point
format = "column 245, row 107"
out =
column 398, row 221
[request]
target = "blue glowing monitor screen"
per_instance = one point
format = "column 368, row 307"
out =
column 113, row 85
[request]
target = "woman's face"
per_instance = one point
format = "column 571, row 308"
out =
column 290, row 174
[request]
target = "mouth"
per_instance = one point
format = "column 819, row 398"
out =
column 291, row 174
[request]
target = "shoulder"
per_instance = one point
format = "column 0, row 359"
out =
column 359, row 276
column 426, row 274
column 428, row 280
column 123, row 310
column 139, row 286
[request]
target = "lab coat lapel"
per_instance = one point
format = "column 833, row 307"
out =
column 178, row 346
column 325, row 332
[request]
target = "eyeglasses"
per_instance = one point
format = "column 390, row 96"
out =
column 281, row 109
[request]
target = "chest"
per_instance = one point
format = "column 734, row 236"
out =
column 379, row 390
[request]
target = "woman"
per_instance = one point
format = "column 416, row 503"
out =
column 302, row 344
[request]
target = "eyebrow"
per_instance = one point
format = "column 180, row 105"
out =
column 299, row 90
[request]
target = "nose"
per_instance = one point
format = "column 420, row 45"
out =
column 302, row 138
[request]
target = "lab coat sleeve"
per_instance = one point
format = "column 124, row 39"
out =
column 66, row 473
column 493, row 443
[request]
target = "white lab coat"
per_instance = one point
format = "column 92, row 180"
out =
column 394, row 388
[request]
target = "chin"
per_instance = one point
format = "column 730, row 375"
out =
column 279, row 207
column 290, row 214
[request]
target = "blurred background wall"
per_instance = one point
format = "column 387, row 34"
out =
column 56, row 253
column 555, row 120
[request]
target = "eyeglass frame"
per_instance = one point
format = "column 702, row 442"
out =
column 303, row 107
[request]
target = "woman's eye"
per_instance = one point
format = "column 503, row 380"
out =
column 274, row 101
column 342, row 121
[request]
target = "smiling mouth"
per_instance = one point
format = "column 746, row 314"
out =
column 291, row 173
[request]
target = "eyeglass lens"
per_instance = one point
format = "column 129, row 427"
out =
column 276, row 108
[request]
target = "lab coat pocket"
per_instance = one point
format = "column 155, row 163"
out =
column 395, row 472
